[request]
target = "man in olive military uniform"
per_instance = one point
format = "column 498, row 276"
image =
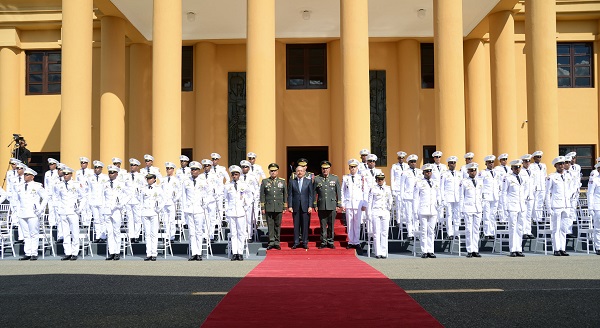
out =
column 328, row 201
column 304, row 163
column 273, row 195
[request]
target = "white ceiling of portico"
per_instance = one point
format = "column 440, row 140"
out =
column 226, row 19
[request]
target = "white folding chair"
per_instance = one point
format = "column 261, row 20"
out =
column 585, row 232
column 6, row 232
column 85, row 241
column 543, row 234
column 46, row 240
column 164, row 244
column 459, row 239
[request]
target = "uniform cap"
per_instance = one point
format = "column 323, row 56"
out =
column 503, row 156
column 412, row 157
column 568, row 158
column 273, row 167
column 380, row 176
column 116, row 160
column 526, row 157
column 215, row 155
column 472, row 166
column 14, row 161
column 98, row 164
column 559, row 159
column 84, row 159
column 184, row 158
column 30, row 171
column 61, row 166
column 452, row 159
column 364, row 152
column 133, row 161
column 206, row 162
column 538, row 153
column 251, row 155
column 516, row 162
column 52, row 161
column 148, row 157
column 325, row 164
column 401, row 154
column 302, row 162
column 245, row 163
column 490, row 158
column 372, row 157
column 597, row 165
column 195, row 165
column 469, row 155
column 437, row 153
column 21, row 165
column 572, row 154
column 598, row 159
column 170, row 165
column 353, row 162
column 150, row 176
column 235, row 168
column 113, row 169
column 67, row 170
column 426, row 167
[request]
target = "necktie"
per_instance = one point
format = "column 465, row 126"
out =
column 96, row 177
column 111, row 184
column 169, row 179
column 380, row 187
column 438, row 167
column 66, row 185
column 505, row 169
column 132, row 176
column 540, row 166
column 474, row 182
column 352, row 178
column 19, row 178
column 519, row 179
column 26, row 186
column 83, row 172
column 373, row 174
column 529, row 173
column 252, row 167
column 402, row 166
column 365, row 164
column 492, row 173
column 244, row 177
column 235, row 184
column 194, row 182
column 149, row 187
column 51, row 173
column 415, row 173
column 215, row 168
column 452, row 173
column 206, row 175
column 300, row 184
column 429, row 182
column 563, row 177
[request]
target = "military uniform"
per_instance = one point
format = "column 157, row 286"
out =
column 450, row 185
column 396, row 173
column 593, row 196
column 408, row 180
column 353, row 200
column 426, row 202
column 134, row 182
column 70, row 197
column 273, row 196
column 253, row 188
column 380, row 206
column 153, row 200
column 95, row 188
column 513, row 196
column 194, row 204
column 539, row 185
column 328, row 199
column 149, row 169
column 214, row 198
column 238, row 199
column 31, row 200
column 471, row 207
column 171, row 186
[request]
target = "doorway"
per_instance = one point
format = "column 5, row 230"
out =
column 314, row 155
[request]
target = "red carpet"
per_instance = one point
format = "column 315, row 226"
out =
column 314, row 238
column 317, row 289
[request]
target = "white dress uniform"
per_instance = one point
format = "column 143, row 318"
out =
column 183, row 172
column 380, row 206
column 407, row 188
column 450, row 189
column 3, row 195
column 471, row 207
column 95, row 195
column 258, row 171
column 574, row 192
column 491, row 196
column 253, row 189
column 221, row 173
column 501, row 171
column 514, row 194
column 214, row 199
column 70, row 197
column 238, row 199
column 558, row 200
column 172, row 193
column 152, row 170
column 438, row 170
column 395, row 174
column 529, row 176
column 426, row 201
column 114, row 197
column 31, row 199
column 353, row 199
column 370, row 182
column 152, row 197
column 194, row 202
column 539, row 188
column 50, row 179
column 593, row 196
column 12, row 190
column 83, row 176
column 134, row 182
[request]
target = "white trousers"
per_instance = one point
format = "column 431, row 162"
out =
column 151, row 234
column 31, row 234
column 427, row 232
column 196, row 228
column 70, row 228
column 472, row 226
column 538, row 204
column 113, row 225
column 489, row 217
column 572, row 216
column 353, row 218
column 168, row 217
column 412, row 224
column 399, row 210
column 381, row 226
column 212, row 219
column 452, row 218
column 14, row 219
column 249, row 222
column 515, row 231
column 559, row 223
column 596, row 217
column 528, row 217
column 134, row 220
column 237, row 225
column 99, row 224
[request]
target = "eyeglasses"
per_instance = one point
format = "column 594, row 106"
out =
column 133, row 165
column 245, row 167
column 235, row 173
column 370, row 161
column 437, row 156
column 97, row 167
column 206, row 165
column 195, row 169
column 170, row 168
column 451, row 162
column 215, row 159
column 537, row 156
column 147, row 160
column 251, row 158
column 526, row 161
column 112, row 172
column 20, row 168
column 412, row 161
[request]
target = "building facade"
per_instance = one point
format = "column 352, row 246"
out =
column 318, row 79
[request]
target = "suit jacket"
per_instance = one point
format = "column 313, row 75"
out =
column 300, row 199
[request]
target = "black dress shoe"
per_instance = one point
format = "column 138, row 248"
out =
column 19, row 242
column 66, row 258
column 153, row 258
column 240, row 257
column 305, row 246
column 348, row 246
column 148, row 258
column 469, row 255
column 557, row 253
column 598, row 252
column 33, row 258
column 491, row 237
column 25, row 258
column 449, row 237
column 531, row 237
column 431, row 255
column 570, row 235
column 198, row 257
column 270, row 247
column 234, row 257
column 117, row 257
column 110, row 257
column 476, row 254
column 520, row 254
column 322, row 246
column 513, row 254
column 278, row 247
column 563, row 253
column 59, row 241
column 332, row 246
column 73, row 258
column 424, row 256
column 193, row 258
column 295, row 246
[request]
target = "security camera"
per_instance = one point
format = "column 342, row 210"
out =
column 525, row 121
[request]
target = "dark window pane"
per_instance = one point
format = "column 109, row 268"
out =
column 584, row 161
column 427, row 66
column 53, row 77
column 582, row 60
column 35, row 68
column 54, row 67
column 35, row 77
column 36, row 57
column 583, row 151
column 317, row 81
column 564, row 71
column 564, row 60
column 54, row 88
column 563, row 49
column 35, row 88
column 296, row 82
column 187, row 68
column 55, row 58
column 583, row 82
column 296, row 70
column 581, row 49
column 306, row 66
column 582, row 71
column 564, row 82
column 315, row 70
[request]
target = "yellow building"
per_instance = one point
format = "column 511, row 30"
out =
column 284, row 78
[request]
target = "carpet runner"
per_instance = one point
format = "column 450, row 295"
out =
column 314, row 238
column 317, row 289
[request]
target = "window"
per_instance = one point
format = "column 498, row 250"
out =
column 427, row 66
column 428, row 154
column 585, row 159
column 377, row 83
column 43, row 72
column 306, row 66
column 575, row 65
column 187, row 68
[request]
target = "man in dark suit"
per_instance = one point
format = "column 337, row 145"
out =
column 328, row 200
column 300, row 202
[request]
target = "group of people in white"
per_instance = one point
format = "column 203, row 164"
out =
column 74, row 198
